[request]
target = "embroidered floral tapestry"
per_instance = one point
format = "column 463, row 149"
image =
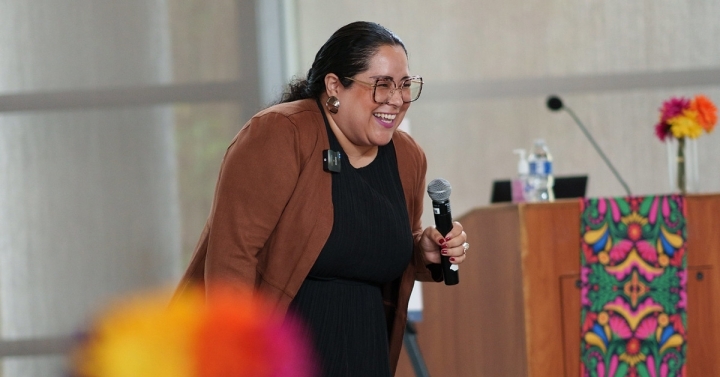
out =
column 634, row 281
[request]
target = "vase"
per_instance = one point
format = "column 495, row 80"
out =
column 683, row 171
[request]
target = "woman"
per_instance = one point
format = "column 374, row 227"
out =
column 338, row 245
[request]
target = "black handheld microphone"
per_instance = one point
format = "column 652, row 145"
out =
column 439, row 191
column 554, row 103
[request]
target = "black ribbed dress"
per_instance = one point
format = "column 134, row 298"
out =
column 370, row 244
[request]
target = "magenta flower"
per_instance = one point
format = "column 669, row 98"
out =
column 620, row 327
column 662, row 131
column 682, row 304
column 585, row 290
column 646, row 328
column 673, row 107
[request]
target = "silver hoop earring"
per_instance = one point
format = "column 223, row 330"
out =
column 332, row 104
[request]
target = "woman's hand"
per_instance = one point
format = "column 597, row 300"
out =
column 452, row 245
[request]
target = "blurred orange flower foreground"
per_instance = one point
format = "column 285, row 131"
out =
column 234, row 334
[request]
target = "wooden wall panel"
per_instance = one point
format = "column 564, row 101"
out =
column 551, row 242
column 703, row 247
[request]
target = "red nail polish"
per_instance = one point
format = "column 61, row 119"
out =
column 452, row 259
column 443, row 251
column 447, row 239
column 441, row 241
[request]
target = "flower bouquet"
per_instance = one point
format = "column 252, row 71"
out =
column 682, row 120
column 234, row 334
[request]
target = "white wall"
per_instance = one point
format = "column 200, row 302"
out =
column 88, row 198
column 463, row 46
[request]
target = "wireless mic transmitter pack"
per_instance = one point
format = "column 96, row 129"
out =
column 331, row 161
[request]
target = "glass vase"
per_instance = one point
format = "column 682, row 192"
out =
column 683, row 171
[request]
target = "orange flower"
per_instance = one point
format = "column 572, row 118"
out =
column 706, row 112
column 232, row 334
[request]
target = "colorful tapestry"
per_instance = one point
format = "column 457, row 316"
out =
column 633, row 283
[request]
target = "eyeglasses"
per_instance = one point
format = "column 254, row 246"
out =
column 384, row 88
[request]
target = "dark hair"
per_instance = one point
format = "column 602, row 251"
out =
column 346, row 53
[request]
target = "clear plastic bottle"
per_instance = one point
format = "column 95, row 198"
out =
column 519, row 184
column 540, row 178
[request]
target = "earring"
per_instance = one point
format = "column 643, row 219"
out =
column 332, row 104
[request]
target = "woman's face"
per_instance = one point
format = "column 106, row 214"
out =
column 363, row 121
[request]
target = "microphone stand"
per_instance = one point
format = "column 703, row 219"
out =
column 597, row 148
column 413, row 349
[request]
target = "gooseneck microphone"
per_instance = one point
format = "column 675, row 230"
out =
column 439, row 191
column 554, row 103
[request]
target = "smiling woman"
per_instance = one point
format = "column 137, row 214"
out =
column 368, row 123
column 338, row 246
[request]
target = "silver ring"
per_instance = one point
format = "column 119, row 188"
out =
column 466, row 246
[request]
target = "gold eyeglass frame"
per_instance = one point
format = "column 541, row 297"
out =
column 392, row 91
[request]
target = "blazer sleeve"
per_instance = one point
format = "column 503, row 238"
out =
column 257, row 177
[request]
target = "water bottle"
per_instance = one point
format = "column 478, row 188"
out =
column 540, row 178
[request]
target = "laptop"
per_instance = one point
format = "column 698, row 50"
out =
column 564, row 187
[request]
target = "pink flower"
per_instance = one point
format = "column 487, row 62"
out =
column 662, row 131
column 673, row 107
column 647, row 251
column 647, row 327
column 682, row 304
column 585, row 290
column 619, row 252
column 620, row 327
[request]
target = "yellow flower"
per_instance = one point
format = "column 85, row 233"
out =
column 234, row 333
column 685, row 125
column 632, row 359
column 142, row 336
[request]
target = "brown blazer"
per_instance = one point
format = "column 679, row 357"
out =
column 273, row 212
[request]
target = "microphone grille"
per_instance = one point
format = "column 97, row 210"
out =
column 554, row 103
column 439, row 190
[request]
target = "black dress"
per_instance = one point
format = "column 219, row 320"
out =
column 370, row 244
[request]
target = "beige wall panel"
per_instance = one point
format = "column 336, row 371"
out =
column 469, row 141
column 88, row 198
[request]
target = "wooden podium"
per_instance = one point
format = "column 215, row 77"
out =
column 516, row 311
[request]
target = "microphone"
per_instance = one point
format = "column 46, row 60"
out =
column 439, row 191
column 554, row 103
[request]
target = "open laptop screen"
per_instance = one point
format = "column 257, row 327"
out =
column 564, row 187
